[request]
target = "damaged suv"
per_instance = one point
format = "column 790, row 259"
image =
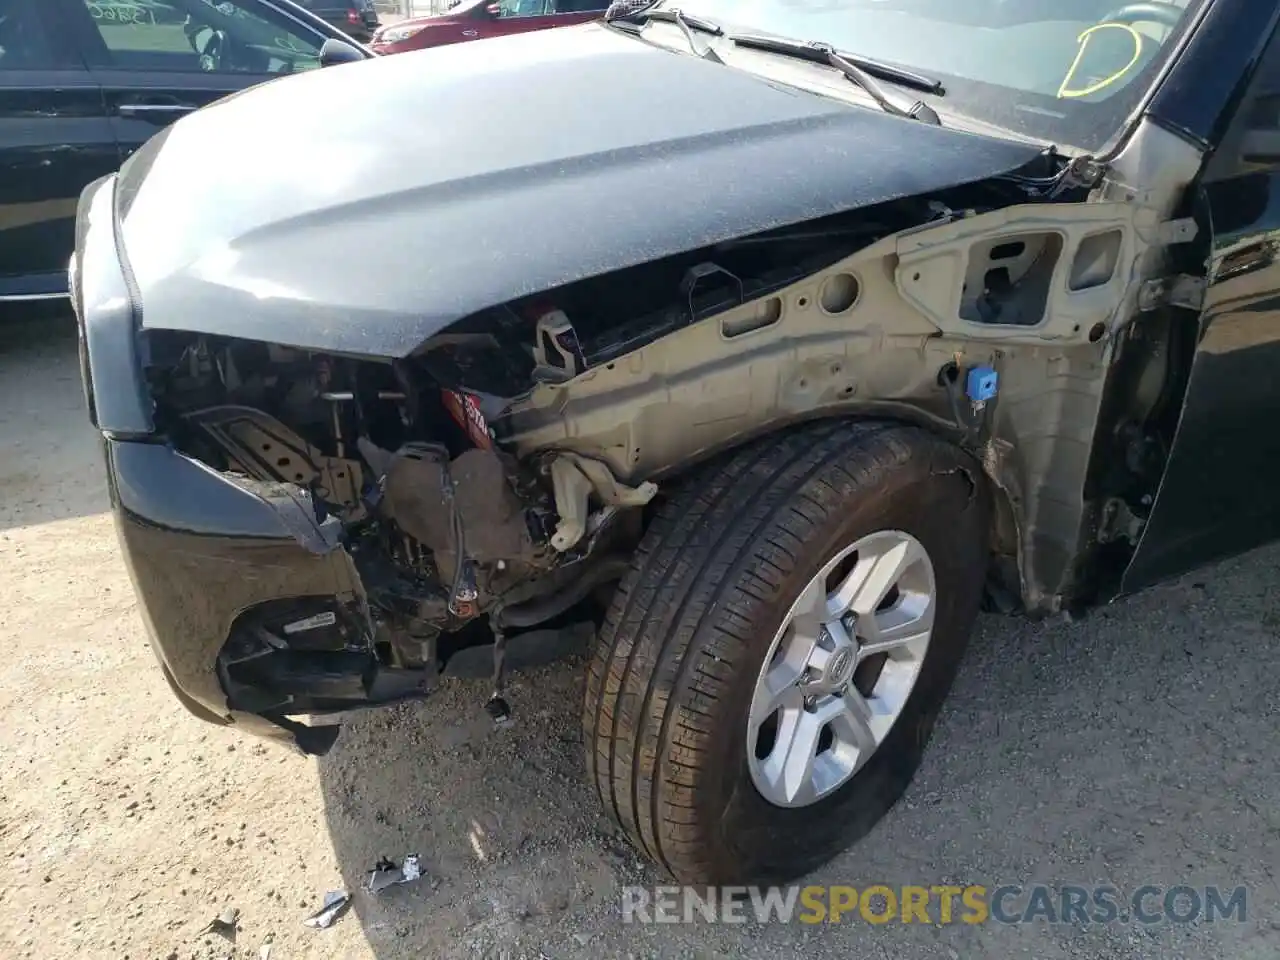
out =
column 769, row 359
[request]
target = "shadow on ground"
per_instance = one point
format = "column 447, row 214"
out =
column 50, row 466
column 1133, row 747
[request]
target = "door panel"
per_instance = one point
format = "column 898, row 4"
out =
column 1219, row 495
column 579, row 11
column 524, row 16
column 54, row 140
column 516, row 16
column 179, row 55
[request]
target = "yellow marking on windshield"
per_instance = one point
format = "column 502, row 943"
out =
column 1083, row 40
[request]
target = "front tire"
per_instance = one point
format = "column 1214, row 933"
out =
column 702, row 633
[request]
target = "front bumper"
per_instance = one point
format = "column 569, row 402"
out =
column 422, row 40
column 254, row 607
column 382, row 48
column 208, row 558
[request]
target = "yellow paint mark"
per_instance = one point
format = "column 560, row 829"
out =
column 1083, row 40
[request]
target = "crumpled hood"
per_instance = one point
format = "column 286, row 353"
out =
column 365, row 207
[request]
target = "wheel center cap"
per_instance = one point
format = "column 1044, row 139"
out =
column 839, row 669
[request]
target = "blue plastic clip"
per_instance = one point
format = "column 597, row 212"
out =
column 980, row 384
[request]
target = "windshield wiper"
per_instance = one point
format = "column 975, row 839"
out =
column 638, row 13
column 857, row 69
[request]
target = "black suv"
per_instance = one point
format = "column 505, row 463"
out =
column 356, row 18
column 84, row 83
column 786, row 358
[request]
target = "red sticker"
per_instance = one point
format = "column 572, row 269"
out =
column 465, row 409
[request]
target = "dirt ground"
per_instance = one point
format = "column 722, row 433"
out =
column 1135, row 746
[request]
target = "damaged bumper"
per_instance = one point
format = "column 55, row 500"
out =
column 254, row 608
column 253, row 605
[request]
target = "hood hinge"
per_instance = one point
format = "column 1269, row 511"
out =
column 1183, row 291
column 1082, row 172
column 1173, row 232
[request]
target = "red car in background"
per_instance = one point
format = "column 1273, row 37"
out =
column 476, row 19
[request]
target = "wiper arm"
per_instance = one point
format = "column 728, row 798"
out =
column 637, row 13
column 878, row 69
column 862, row 76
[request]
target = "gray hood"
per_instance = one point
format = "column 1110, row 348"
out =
column 365, row 207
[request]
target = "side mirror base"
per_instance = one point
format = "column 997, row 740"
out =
column 335, row 52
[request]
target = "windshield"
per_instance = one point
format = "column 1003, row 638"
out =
column 1067, row 72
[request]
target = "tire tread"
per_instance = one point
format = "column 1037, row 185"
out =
column 715, row 552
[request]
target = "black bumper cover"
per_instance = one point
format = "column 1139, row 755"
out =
column 253, row 605
column 218, row 567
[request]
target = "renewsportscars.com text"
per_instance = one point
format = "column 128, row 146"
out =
column 935, row 904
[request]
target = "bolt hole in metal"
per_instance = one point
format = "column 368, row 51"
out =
column 841, row 668
column 839, row 294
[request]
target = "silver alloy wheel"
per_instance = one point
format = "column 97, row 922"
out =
column 840, row 669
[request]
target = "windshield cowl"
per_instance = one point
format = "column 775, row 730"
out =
column 823, row 81
column 1064, row 72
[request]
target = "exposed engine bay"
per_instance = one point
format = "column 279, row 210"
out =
column 444, row 523
column 500, row 472
column 415, row 456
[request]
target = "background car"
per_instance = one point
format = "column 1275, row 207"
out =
column 83, row 83
column 477, row 19
column 356, row 18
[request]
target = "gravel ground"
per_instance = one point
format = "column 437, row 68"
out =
column 1136, row 746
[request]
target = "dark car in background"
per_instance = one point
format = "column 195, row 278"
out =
column 84, row 83
column 356, row 18
column 478, row 19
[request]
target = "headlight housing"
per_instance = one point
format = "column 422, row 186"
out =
column 396, row 33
